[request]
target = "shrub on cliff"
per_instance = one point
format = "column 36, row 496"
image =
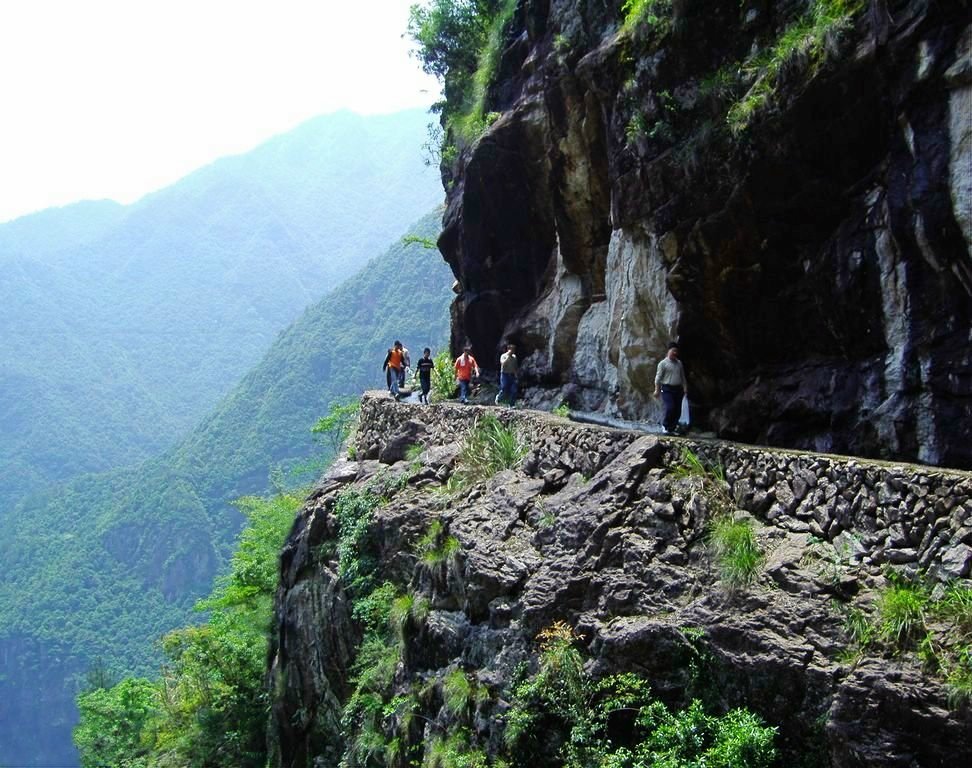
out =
column 561, row 716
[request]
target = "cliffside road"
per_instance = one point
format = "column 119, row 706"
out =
column 611, row 531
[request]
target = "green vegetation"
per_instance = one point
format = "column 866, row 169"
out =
column 127, row 554
column 460, row 42
column 560, row 716
column 562, row 410
column 731, row 539
column 339, row 423
column 901, row 612
column 435, row 547
column 735, row 548
column 806, row 39
column 709, row 482
column 909, row 616
column 209, row 706
column 652, row 13
column 490, row 447
column 443, row 377
column 459, row 693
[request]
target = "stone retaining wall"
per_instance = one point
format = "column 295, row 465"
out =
column 909, row 516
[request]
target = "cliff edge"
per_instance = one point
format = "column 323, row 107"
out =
column 607, row 537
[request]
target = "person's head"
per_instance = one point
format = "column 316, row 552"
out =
column 397, row 344
column 511, row 348
column 672, row 351
column 427, row 352
column 467, row 350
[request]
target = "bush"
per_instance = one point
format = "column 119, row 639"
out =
column 561, row 716
column 443, row 377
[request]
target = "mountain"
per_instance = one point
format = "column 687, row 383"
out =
column 121, row 326
column 100, row 568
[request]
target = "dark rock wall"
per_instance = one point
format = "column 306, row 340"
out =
column 816, row 267
column 595, row 529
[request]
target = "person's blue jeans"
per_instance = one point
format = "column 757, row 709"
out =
column 672, row 401
column 463, row 390
column 508, row 387
column 393, row 383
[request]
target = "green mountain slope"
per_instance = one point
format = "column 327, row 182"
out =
column 103, row 566
column 121, row 326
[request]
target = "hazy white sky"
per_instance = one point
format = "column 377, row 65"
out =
column 115, row 98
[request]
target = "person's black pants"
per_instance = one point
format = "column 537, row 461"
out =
column 672, row 401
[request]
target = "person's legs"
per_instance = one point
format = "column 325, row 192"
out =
column 393, row 383
column 504, row 390
column 463, row 390
column 426, row 388
column 514, row 390
column 672, row 400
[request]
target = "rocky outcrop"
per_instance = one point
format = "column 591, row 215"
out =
column 598, row 528
column 814, row 259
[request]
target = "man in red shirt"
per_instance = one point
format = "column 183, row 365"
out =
column 466, row 367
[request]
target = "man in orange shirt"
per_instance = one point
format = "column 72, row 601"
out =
column 466, row 367
column 395, row 365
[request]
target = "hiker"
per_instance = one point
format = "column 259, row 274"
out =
column 423, row 370
column 509, row 368
column 406, row 366
column 672, row 386
column 393, row 365
column 466, row 367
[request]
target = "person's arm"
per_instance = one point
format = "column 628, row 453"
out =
column 658, row 375
column 384, row 365
column 475, row 365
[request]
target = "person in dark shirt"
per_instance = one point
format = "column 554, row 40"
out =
column 424, row 368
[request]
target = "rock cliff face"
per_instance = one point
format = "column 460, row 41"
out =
column 596, row 528
column 812, row 251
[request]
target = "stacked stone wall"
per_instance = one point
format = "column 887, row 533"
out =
column 913, row 517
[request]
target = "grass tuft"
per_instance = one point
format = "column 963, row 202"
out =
column 736, row 550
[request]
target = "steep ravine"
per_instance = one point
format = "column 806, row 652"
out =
column 813, row 259
column 595, row 528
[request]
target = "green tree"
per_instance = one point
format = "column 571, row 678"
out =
column 114, row 724
column 210, row 705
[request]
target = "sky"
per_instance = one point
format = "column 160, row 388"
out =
column 117, row 98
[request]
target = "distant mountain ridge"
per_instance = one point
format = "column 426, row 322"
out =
column 120, row 326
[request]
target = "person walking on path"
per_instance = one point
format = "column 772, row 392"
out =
column 424, row 368
column 394, row 364
column 672, row 386
column 509, row 369
column 466, row 367
column 406, row 364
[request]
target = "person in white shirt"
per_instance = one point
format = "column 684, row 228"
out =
column 509, row 368
column 671, row 385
